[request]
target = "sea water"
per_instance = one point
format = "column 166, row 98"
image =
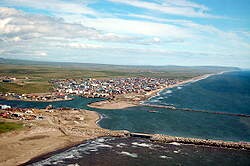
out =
column 228, row 92
column 136, row 152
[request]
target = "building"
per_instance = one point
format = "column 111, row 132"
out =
column 3, row 107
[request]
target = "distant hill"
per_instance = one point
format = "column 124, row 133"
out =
column 40, row 73
column 140, row 68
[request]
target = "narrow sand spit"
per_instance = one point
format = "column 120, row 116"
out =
column 112, row 104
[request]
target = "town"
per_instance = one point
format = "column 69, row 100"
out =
column 92, row 88
column 43, row 97
column 109, row 88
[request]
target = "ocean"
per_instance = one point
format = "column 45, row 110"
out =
column 141, row 152
column 228, row 92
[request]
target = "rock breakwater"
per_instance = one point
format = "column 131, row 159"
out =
column 193, row 110
column 196, row 141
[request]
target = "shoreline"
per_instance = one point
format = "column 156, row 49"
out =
column 112, row 105
column 165, row 139
column 72, row 141
column 27, row 100
column 191, row 80
column 49, row 154
column 124, row 103
column 59, row 131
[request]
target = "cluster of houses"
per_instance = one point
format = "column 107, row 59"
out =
column 10, row 79
column 3, row 107
column 108, row 88
column 36, row 97
column 95, row 88
column 19, row 113
column 7, row 79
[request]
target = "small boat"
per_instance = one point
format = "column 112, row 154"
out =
column 152, row 111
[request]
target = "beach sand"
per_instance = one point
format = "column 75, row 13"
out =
column 60, row 129
column 112, row 104
column 65, row 128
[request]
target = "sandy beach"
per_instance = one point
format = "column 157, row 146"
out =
column 60, row 129
column 125, row 101
column 64, row 128
column 112, row 104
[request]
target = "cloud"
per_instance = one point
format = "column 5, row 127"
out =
column 173, row 7
column 40, row 54
column 138, row 28
column 82, row 45
column 157, row 19
column 15, row 24
column 62, row 30
column 55, row 6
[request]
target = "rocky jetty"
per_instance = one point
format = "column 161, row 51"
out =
column 196, row 141
column 193, row 110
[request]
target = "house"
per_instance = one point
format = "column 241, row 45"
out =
column 4, row 107
column 7, row 80
column 29, row 112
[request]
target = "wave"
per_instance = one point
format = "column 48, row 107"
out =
column 74, row 152
column 165, row 157
column 76, row 164
column 175, row 143
column 134, row 155
column 177, row 151
column 153, row 101
column 169, row 91
column 160, row 98
column 141, row 144
column 121, row 145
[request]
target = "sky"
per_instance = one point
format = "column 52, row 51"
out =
column 127, row 32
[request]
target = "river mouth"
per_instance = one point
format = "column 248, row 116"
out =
column 162, row 121
column 138, row 151
column 199, row 124
column 155, row 120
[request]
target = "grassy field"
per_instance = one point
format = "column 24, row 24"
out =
column 39, row 87
column 38, row 76
column 9, row 126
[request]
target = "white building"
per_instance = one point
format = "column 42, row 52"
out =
column 4, row 107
